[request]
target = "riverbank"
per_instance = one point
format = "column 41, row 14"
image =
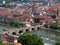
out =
column 50, row 29
column 7, row 25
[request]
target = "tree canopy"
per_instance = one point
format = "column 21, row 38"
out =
column 1, row 43
column 57, row 42
column 30, row 39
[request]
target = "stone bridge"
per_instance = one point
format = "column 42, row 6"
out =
column 21, row 30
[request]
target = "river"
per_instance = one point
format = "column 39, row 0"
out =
column 1, row 28
column 48, row 34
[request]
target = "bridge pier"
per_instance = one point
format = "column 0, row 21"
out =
column 37, row 27
column 32, row 28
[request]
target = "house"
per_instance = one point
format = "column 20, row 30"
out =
column 17, row 44
column 51, row 11
column 7, row 38
column 36, row 14
column 10, row 38
column 28, row 24
column 2, row 37
column 4, row 42
column 43, row 21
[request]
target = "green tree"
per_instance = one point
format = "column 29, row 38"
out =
column 1, row 1
column 30, row 39
column 8, row 1
column 1, row 43
column 54, row 26
column 57, row 43
column 11, row 23
column 16, row 24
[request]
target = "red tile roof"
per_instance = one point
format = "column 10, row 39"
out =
column 43, row 21
column 10, row 37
